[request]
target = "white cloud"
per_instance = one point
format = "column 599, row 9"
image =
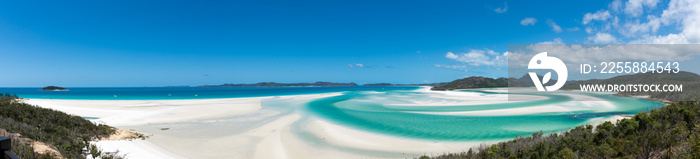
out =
column 573, row 29
column 556, row 28
column 662, row 39
column 678, row 22
column 577, row 54
column 528, row 21
column 636, row 7
column 502, row 10
column 474, row 58
column 451, row 55
column 636, row 28
column 555, row 41
column 356, row 65
column 616, row 5
column 485, row 57
column 600, row 15
column 616, row 22
column 603, row 38
column 685, row 13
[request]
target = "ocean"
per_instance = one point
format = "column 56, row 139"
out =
column 169, row 93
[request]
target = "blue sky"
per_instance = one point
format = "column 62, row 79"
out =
column 160, row 43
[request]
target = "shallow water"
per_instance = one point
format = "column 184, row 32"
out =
column 404, row 112
column 382, row 113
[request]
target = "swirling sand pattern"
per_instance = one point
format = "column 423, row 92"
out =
column 357, row 110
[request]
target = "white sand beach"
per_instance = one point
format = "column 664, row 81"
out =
column 195, row 130
column 242, row 128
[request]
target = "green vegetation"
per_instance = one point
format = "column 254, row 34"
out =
column 473, row 82
column 68, row 133
column 672, row 131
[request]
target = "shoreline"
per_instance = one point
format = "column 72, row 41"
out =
column 243, row 128
column 272, row 139
column 176, row 99
column 152, row 117
column 645, row 97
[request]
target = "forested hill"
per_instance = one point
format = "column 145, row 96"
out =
column 485, row 82
column 473, row 82
column 273, row 84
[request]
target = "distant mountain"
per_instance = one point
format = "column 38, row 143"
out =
column 273, row 84
column 53, row 88
column 473, row 82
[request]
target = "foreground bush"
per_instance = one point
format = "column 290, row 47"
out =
column 672, row 131
column 68, row 133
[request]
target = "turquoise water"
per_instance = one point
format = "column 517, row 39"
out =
column 158, row 93
column 378, row 112
column 382, row 109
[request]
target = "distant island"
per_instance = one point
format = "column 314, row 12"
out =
column 273, row 84
column 177, row 86
column 53, row 88
column 473, row 82
column 690, row 81
column 378, row 84
column 401, row 85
